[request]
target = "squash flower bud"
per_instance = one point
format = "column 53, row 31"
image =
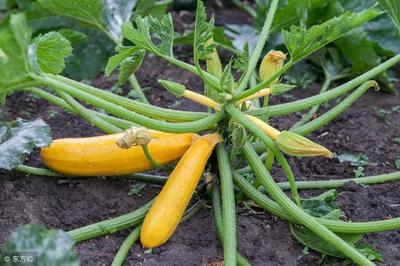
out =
column 271, row 63
column 291, row 143
column 299, row 146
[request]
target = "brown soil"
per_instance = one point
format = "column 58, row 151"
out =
column 263, row 239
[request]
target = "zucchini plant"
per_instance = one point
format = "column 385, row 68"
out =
column 237, row 123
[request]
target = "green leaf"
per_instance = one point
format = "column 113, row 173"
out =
column 136, row 189
column 354, row 159
column 397, row 163
column 151, row 7
column 89, row 58
column 302, row 42
column 19, row 138
column 105, row 15
column 89, row 12
column 20, row 30
column 50, row 50
column 321, row 205
column 47, row 247
column 242, row 35
column 73, row 36
column 392, row 7
column 313, row 241
column 203, row 31
column 280, row 88
column 370, row 252
column 358, row 50
column 140, row 34
column 227, row 81
column 129, row 66
column 241, row 61
column 290, row 12
column 116, row 13
column 13, row 45
column 359, row 172
column 164, row 31
column 123, row 52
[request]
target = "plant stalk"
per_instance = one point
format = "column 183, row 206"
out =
column 335, row 225
column 299, row 105
column 126, row 246
column 135, row 85
column 259, row 46
column 195, row 126
column 111, row 225
column 335, row 111
column 299, row 214
column 217, row 217
column 138, row 107
column 228, row 206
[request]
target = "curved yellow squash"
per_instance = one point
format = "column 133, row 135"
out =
column 170, row 204
column 100, row 156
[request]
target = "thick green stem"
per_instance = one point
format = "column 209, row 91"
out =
column 247, row 168
column 121, row 123
column 146, row 178
column 36, row 171
column 211, row 78
column 310, row 114
column 111, row 225
column 336, row 226
column 138, row 107
column 228, row 206
column 335, row 183
column 255, row 55
column 126, row 246
column 335, row 111
column 299, row 214
column 195, row 126
column 217, row 215
column 135, row 85
column 150, row 158
column 92, row 118
column 296, row 106
column 246, row 7
column 271, row 146
column 189, row 213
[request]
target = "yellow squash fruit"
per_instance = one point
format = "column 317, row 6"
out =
column 101, row 156
column 170, row 204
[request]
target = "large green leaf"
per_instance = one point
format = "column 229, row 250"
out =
column 147, row 29
column 17, row 139
column 105, row 15
column 313, row 241
column 46, row 247
column 116, row 13
column 50, row 51
column 322, row 206
column 13, row 44
column 392, row 7
column 301, row 42
column 203, row 31
column 89, row 12
column 358, row 50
